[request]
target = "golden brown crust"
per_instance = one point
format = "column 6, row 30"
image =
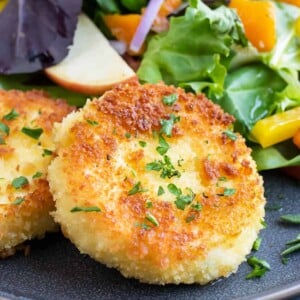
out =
column 22, row 155
column 99, row 164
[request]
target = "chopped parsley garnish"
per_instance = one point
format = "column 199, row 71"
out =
column 19, row 182
column 259, row 267
column 149, row 204
column 293, row 246
column 92, row 122
column 227, row 192
column 190, row 218
column 163, row 145
column 256, row 244
column 143, row 225
column 170, row 99
column 160, row 191
column 2, row 142
column 11, row 115
column 181, row 200
column 47, row 152
column 151, row 219
column 85, row 209
column 167, row 125
column 37, row 175
column 142, row 144
column 230, row 134
column 18, row 201
column 34, row 133
column 263, row 223
column 292, row 218
column 165, row 166
column 197, row 206
column 127, row 135
column 4, row 128
column 222, row 178
column 137, row 188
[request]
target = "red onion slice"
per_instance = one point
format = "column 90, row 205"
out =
column 145, row 25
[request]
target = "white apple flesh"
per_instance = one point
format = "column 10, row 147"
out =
column 92, row 66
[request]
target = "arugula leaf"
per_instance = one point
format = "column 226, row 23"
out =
column 201, row 56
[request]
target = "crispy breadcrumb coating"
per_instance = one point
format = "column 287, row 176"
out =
column 26, row 122
column 160, row 189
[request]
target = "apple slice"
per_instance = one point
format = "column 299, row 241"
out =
column 92, row 66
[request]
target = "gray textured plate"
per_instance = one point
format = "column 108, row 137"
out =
column 56, row 270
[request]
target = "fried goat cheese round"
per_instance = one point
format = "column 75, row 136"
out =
column 152, row 181
column 26, row 146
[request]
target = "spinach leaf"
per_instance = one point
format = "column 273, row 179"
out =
column 249, row 94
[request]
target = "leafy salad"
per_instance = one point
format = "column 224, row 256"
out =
column 244, row 55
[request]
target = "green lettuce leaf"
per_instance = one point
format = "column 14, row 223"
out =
column 196, row 48
column 38, row 82
column 286, row 53
column 249, row 94
column 281, row 155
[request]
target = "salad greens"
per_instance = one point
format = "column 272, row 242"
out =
column 26, row 47
column 199, row 59
column 215, row 58
column 37, row 81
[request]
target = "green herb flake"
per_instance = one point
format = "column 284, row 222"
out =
column 173, row 189
column 223, row 178
column 127, row 135
column 4, row 128
column 230, row 134
column 47, row 152
column 197, row 206
column 34, row 133
column 20, row 182
column 263, row 223
column 256, row 244
column 2, row 142
column 291, row 218
column 166, row 167
column 190, row 218
column 170, row 99
column 85, row 209
column 151, row 219
column 293, row 246
column 12, row 115
column 142, row 144
column 181, row 200
column 37, row 175
column 92, row 122
column 143, row 226
column 259, row 267
column 137, row 188
column 163, row 145
column 167, row 125
column 160, row 191
column 227, row 192
column 149, row 204
column 18, row 201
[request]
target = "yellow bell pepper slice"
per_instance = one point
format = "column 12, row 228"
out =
column 296, row 138
column 277, row 128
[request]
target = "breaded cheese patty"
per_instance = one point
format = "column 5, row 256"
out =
column 152, row 181
column 26, row 122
